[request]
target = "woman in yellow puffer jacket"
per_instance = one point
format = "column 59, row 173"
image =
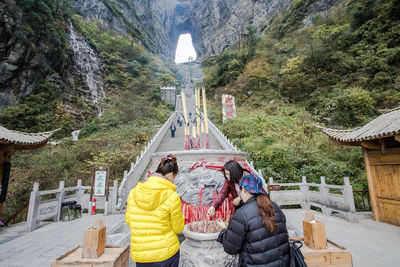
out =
column 155, row 217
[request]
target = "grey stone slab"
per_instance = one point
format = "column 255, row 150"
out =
column 371, row 243
column 42, row 246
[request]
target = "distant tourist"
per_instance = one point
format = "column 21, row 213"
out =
column 173, row 129
column 180, row 121
column 257, row 230
column 190, row 115
column 154, row 216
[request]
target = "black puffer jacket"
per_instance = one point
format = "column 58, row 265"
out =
column 257, row 247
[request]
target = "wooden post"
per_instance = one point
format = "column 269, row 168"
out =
column 33, row 211
column 5, row 157
column 60, row 201
column 372, row 194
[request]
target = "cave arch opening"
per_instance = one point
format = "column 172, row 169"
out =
column 185, row 51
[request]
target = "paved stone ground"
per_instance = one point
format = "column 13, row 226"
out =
column 42, row 246
column 177, row 143
column 372, row 244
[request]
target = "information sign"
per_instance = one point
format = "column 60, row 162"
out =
column 100, row 181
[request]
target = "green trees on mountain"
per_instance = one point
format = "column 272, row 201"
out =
column 44, row 21
column 338, row 71
column 133, row 109
column 355, row 46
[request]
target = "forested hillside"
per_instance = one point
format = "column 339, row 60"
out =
column 338, row 72
column 132, row 110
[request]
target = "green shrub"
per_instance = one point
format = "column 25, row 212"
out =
column 353, row 106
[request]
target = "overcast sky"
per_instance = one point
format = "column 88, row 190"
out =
column 184, row 49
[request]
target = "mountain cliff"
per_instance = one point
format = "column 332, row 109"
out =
column 36, row 37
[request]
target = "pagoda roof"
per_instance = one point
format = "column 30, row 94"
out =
column 385, row 125
column 22, row 140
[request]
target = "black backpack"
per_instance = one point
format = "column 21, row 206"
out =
column 296, row 257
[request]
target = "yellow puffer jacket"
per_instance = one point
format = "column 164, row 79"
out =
column 155, row 217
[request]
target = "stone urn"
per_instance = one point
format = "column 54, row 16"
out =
column 200, row 247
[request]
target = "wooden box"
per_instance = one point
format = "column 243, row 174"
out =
column 113, row 256
column 94, row 241
column 314, row 234
column 334, row 256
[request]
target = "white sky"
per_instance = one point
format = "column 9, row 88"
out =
column 184, row 49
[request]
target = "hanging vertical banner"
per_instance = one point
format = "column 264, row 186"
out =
column 205, row 116
column 228, row 107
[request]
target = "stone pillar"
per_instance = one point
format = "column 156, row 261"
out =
column 324, row 191
column 79, row 193
column 270, row 182
column 349, row 200
column 33, row 211
column 60, row 199
column 114, row 197
column 304, row 188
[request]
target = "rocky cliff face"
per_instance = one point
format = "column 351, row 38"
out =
column 157, row 24
column 27, row 60
column 219, row 23
column 216, row 24
column 22, row 64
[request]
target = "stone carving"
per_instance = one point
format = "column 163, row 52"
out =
column 48, row 210
column 189, row 184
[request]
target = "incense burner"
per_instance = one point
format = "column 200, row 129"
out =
column 200, row 248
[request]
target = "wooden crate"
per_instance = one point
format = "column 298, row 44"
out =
column 94, row 242
column 334, row 255
column 314, row 234
column 113, row 256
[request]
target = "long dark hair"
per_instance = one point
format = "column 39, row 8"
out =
column 235, row 171
column 267, row 212
column 168, row 164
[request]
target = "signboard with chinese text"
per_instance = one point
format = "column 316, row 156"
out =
column 228, row 107
column 100, row 182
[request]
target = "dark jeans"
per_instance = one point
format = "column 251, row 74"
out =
column 171, row 262
column 172, row 133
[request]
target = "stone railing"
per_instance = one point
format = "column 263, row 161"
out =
column 136, row 171
column 340, row 200
column 221, row 137
column 50, row 208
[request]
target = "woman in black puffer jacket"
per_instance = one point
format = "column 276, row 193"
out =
column 257, row 230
